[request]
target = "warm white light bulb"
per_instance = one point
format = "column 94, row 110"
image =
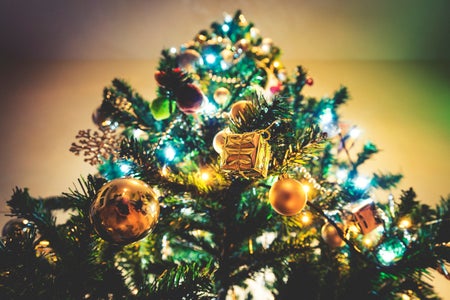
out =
column 205, row 176
column 326, row 117
column 306, row 188
column 361, row 182
column 342, row 174
column 354, row 133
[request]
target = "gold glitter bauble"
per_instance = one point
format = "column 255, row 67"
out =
column 125, row 210
column 189, row 59
column 287, row 197
column 222, row 95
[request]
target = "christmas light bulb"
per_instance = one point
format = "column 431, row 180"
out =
column 224, row 65
column 354, row 133
column 404, row 223
column 204, row 176
column 164, row 171
column 306, row 218
column 326, row 117
column 169, row 153
column 265, row 48
column 342, row 174
column 225, row 27
column 125, row 167
column 173, row 50
column 210, row 58
column 208, row 108
column 361, row 182
column 139, row 134
column 228, row 18
column 306, row 188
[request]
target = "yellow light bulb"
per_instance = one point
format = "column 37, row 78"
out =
column 204, row 176
column 404, row 223
column 306, row 188
column 306, row 218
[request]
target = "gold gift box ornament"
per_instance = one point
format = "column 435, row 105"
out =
column 247, row 154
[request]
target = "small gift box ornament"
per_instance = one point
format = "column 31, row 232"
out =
column 247, row 154
column 365, row 214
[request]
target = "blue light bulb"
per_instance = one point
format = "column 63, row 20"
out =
column 169, row 153
column 210, row 58
column 225, row 27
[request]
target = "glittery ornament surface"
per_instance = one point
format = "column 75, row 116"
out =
column 124, row 211
column 247, row 154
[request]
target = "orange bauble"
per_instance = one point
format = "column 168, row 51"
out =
column 287, row 197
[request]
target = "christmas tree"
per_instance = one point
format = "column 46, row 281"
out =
column 229, row 184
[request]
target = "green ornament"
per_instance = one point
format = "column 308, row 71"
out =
column 390, row 252
column 161, row 108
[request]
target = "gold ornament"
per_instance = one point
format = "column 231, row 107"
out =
column 222, row 95
column 247, row 154
column 287, row 197
column 237, row 112
column 219, row 140
column 189, row 59
column 18, row 228
column 266, row 45
column 331, row 236
column 242, row 45
column 227, row 56
column 124, row 211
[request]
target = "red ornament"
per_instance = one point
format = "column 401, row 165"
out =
column 309, row 81
column 170, row 79
column 160, row 77
column 189, row 98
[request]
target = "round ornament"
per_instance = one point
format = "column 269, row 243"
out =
column 125, row 210
column 227, row 58
column 309, row 81
column 242, row 45
column 189, row 59
column 331, row 236
column 17, row 228
column 266, row 45
column 238, row 109
column 189, row 98
column 160, row 77
column 222, row 95
column 161, row 108
column 287, row 197
column 219, row 140
column 99, row 117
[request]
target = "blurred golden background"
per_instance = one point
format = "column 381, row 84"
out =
column 56, row 57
